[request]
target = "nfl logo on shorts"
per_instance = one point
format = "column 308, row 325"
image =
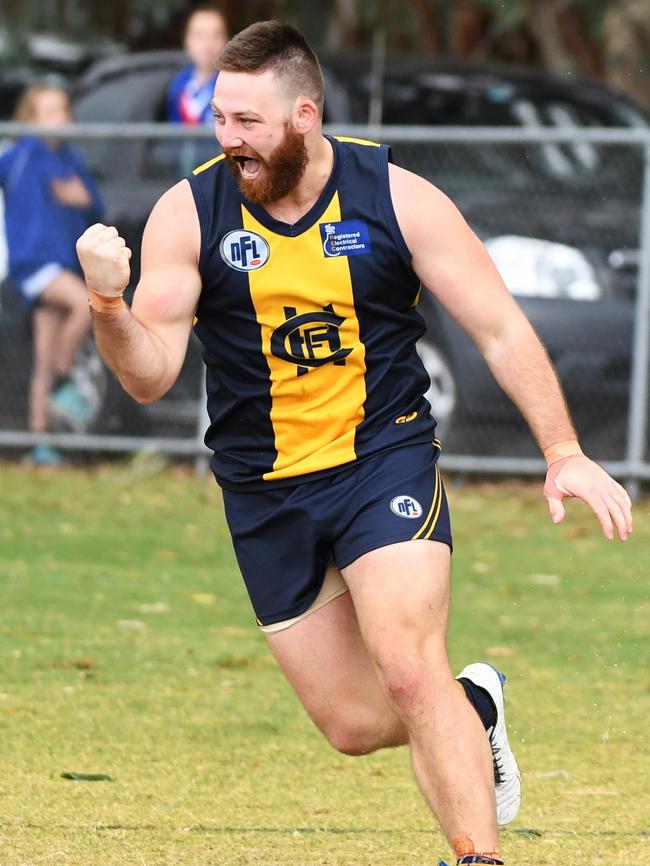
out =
column 406, row 506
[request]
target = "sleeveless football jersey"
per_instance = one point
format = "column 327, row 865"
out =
column 308, row 330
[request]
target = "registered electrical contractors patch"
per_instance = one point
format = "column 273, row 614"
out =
column 345, row 238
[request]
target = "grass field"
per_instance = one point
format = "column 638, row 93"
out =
column 127, row 648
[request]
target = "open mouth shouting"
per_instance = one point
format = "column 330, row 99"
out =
column 263, row 180
column 248, row 165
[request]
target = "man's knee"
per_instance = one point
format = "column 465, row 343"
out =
column 358, row 736
column 405, row 680
column 412, row 677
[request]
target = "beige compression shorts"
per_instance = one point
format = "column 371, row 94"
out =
column 333, row 586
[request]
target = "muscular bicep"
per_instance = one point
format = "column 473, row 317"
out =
column 451, row 261
column 168, row 292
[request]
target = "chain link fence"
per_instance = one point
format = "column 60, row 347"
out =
column 565, row 214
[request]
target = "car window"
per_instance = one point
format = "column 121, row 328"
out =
column 442, row 99
column 578, row 161
column 136, row 96
column 452, row 105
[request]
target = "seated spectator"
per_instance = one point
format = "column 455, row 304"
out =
column 190, row 92
column 50, row 200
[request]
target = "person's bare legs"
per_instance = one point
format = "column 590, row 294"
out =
column 325, row 660
column 400, row 691
column 401, row 597
column 67, row 294
column 46, row 323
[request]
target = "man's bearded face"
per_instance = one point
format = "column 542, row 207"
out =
column 263, row 181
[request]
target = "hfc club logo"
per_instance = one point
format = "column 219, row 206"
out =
column 310, row 339
column 244, row 251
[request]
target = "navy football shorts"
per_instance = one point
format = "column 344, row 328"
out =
column 285, row 538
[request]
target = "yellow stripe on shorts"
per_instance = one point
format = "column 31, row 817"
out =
column 426, row 530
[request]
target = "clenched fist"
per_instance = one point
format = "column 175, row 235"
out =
column 104, row 257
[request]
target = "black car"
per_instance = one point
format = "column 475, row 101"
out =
column 560, row 220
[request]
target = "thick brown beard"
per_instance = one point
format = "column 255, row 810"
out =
column 282, row 171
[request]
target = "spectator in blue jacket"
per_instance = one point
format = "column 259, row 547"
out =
column 50, row 199
column 191, row 90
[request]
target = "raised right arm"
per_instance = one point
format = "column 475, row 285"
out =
column 145, row 346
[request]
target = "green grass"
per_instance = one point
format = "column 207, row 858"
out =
column 127, row 647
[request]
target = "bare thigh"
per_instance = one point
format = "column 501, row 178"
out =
column 401, row 596
column 46, row 322
column 67, row 292
column 347, row 660
column 326, row 661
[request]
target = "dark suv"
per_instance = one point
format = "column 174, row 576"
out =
column 561, row 221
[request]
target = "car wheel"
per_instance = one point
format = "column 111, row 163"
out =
column 90, row 377
column 442, row 393
column 111, row 409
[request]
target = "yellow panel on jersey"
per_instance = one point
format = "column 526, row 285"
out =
column 311, row 341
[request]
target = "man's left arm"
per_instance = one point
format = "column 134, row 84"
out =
column 455, row 267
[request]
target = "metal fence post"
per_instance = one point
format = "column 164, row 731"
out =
column 638, row 405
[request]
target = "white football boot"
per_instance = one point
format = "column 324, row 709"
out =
column 507, row 780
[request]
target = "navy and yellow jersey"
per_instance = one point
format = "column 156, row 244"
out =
column 308, row 330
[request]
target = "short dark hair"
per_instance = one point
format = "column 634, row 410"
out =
column 282, row 49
